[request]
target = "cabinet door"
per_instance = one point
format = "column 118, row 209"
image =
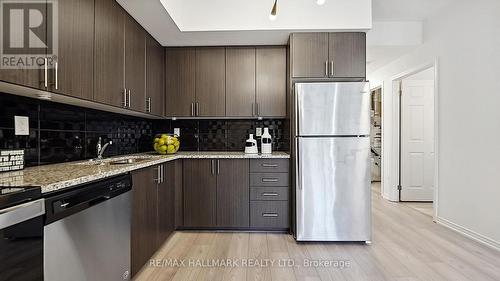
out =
column 108, row 53
column 199, row 193
column 240, row 82
column 155, row 85
column 233, row 193
column 20, row 74
column 210, row 82
column 135, row 64
column 179, row 201
column 180, row 64
column 74, row 73
column 144, row 217
column 348, row 54
column 271, row 82
column 166, row 202
column 309, row 55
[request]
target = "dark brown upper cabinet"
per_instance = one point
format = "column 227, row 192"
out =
column 233, row 193
column 240, row 82
column 347, row 54
column 199, row 192
column 72, row 72
column 180, row 65
column 328, row 55
column 30, row 77
column 271, row 81
column 109, row 57
column 155, row 83
column 309, row 54
column 135, row 64
column 210, row 82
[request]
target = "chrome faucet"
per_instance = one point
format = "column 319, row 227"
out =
column 101, row 149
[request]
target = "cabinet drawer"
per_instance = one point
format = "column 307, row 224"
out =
column 269, row 166
column 269, row 214
column 278, row 193
column 269, row 179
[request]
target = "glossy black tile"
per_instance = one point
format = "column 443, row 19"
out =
column 61, row 146
column 54, row 116
column 11, row 105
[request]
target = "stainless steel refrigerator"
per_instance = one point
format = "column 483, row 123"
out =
column 332, row 161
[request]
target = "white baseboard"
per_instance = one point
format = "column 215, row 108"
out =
column 469, row 233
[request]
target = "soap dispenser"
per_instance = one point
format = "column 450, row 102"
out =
column 266, row 142
column 251, row 145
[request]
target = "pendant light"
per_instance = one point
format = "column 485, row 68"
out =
column 272, row 15
column 320, row 2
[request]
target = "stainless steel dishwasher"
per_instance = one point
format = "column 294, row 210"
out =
column 87, row 232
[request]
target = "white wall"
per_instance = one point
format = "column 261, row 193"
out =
column 465, row 39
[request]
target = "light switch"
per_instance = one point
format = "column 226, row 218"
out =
column 21, row 125
column 258, row 132
column 177, row 131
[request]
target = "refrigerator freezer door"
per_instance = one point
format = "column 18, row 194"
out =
column 333, row 109
column 333, row 189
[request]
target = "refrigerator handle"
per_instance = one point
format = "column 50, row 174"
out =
column 296, row 111
column 298, row 177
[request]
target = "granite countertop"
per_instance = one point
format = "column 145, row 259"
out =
column 58, row 176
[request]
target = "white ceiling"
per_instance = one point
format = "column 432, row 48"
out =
column 406, row 10
column 245, row 22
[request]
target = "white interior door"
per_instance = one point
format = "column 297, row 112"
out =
column 417, row 140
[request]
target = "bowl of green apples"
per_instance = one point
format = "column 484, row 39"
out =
column 166, row 143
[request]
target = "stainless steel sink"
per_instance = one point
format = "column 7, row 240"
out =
column 127, row 161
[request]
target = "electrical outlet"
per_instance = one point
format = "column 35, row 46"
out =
column 258, row 132
column 21, row 125
column 177, row 131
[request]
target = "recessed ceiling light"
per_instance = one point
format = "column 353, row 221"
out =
column 320, row 2
column 272, row 15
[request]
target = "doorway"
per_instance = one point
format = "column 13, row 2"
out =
column 376, row 138
column 417, row 139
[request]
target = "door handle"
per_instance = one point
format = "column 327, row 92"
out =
column 57, row 76
column 253, row 109
column 129, row 98
column 298, row 177
column 218, row 166
column 192, row 109
column 269, row 165
column 158, row 176
column 331, row 68
column 266, row 215
column 326, row 68
column 46, row 74
column 197, row 109
column 212, row 167
column 148, row 104
column 125, row 97
column 257, row 109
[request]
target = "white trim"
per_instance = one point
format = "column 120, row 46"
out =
column 469, row 233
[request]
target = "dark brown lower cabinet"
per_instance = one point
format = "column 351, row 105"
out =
column 233, row 193
column 153, row 199
column 144, row 217
column 200, row 186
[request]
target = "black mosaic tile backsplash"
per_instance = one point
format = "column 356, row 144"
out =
column 61, row 133
column 225, row 135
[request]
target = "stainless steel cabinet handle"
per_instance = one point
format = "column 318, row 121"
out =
column 331, row 68
column 253, row 109
column 192, row 109
column 197, row 109
column 148, row 104
column 158, row 177
column 269, row 165
column 124, row 97
column 218, row 166
column 269, row 180
column 326, row 68
column 129, row 99
column 57, row 76
column 46, row 74
column 257, row 109
column 269, row 194
column 162, row 173
column 273, row 215
column 212, row 167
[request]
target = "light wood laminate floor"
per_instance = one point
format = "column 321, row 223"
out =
column 406, row 246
